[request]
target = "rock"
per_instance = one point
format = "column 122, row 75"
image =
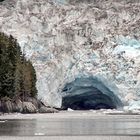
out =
column 44, row 109
column 6, row 106
column 34, row 101
column 28, row 107
column 18, row 106
column 0, row 106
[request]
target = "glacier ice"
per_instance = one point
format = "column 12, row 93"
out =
column 64, row 41
column 89, row 93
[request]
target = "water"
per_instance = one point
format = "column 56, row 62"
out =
column 72, row 126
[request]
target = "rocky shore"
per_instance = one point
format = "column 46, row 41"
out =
column 29, row 105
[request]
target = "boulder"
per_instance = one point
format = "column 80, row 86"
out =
column 34, row 101
column 6, row 106
column 18, row 106
column 45, row 109
column 28, row 107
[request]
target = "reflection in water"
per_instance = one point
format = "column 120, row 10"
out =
column 71, row 126
column 17, row 127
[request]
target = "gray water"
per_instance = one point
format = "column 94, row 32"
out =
column 72, row 126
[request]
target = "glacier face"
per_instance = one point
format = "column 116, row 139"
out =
column 90, row 92
column 65, row 40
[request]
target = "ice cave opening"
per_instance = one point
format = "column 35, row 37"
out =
column 89, row 93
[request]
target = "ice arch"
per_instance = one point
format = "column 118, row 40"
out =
column 89, row 93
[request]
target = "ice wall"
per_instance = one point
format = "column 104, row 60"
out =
column 67, row 40
column 90, row 93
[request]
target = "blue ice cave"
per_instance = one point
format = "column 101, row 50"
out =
column 89, row 93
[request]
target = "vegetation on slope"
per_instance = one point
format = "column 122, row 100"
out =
column 17, row 75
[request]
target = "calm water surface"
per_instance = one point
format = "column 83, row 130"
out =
column 108, row 125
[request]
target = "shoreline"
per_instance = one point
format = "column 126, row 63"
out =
column 65, row 125
column 66, row 114
column 71, row 138
column 29, row 105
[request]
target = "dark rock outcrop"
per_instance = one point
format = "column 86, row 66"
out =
column 37, row 103
column 28, row 107
column 6, row 106
column 18, row 106
column 44, row 109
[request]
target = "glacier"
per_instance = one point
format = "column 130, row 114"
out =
column 68, row 39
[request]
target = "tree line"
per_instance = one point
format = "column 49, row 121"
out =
column 17, row 75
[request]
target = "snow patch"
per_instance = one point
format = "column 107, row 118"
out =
column 128, row 47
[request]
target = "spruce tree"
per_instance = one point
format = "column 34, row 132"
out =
column 17, row 75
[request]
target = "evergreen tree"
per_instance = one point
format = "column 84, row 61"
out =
column 17, row 75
